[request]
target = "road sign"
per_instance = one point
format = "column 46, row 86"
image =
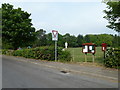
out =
column 54, row 35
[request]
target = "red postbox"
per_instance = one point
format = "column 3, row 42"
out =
column 88, row 48
column 104, row 46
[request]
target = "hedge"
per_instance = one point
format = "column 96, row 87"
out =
column 42, row 53
column 7, row 52
column 112, row 58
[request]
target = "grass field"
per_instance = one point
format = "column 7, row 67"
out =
column 78, row 56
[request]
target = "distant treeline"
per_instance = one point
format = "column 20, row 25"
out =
column 44, row 39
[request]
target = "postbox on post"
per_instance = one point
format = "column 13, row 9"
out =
column 104, row 47
column 88, row 48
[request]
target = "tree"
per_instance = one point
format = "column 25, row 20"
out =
column 79, row 40
column 99, row 39
column 87, row 39
column 0, row 28
column 113, row 15
column 41, row 38
column 61, row 41
column 17, row 30
column 70, row 39
column 49, row 39
column 115, row 41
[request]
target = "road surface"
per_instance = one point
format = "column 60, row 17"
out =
column 16, row 74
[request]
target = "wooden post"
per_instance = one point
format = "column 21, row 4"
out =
column 93, row 58
column 85, row 57
column 73, row 54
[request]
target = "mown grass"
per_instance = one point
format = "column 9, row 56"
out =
column 78, row 56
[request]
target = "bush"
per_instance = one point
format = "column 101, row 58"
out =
column 43, row 53
column 7, row 52
column 112, row 58
column 18, row 53
column 4, row 51
column 64, row 56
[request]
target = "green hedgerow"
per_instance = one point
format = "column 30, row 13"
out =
column 112, row 58
column 42, row 53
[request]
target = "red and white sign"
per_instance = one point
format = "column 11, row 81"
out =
column 54, row 35
column 104, row 46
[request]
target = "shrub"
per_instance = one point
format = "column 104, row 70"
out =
column 43, row 53
column 7, row 52
column 4, row 51
column 18, row 53
column 64, row 56
column 112, row 58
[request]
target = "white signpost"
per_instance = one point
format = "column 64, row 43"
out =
column 55, row 38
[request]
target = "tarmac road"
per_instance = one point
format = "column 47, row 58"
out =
column 16, row 74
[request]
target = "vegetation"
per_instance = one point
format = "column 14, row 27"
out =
column 44, row 39
column 42, row 53
column 70, row 54
column 78, row 56
column 17, row 30
column 0, row 28
column 113, row 17
column 112, row 58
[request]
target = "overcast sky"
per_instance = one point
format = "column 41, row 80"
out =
column 66, row 16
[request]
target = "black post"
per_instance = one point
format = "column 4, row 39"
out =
column 104, row 54
column 93, row 54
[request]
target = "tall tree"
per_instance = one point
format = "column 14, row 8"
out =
column 71, row 39
column 79, row 40
column 41, row 38
column 87, row 39
column 113, row 17
column 49, row 39
column 61, row 41
column 17, row 30
column 115, row 41
column 0, row 28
